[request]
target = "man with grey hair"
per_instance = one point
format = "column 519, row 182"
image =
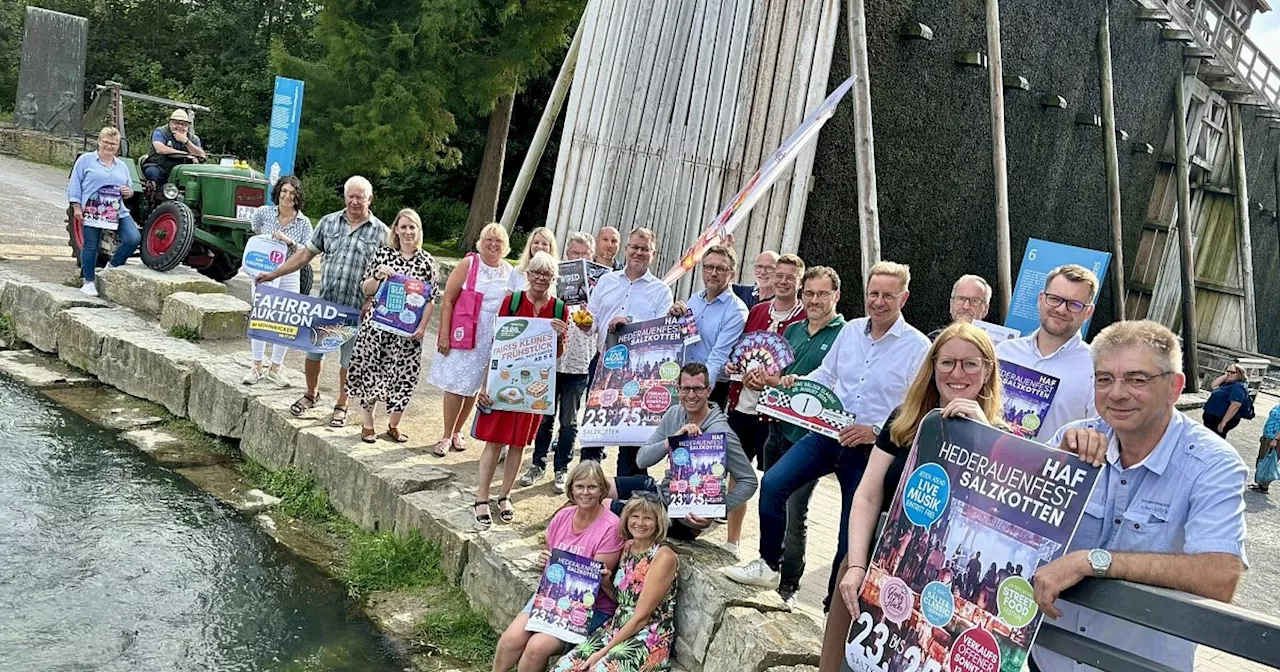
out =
column 348, row 239
column 765, row 263
column 1168, row 509
column 970, row 300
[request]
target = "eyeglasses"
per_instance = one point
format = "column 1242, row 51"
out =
column 808, row 295
column 970, row 365
column 717, row 269
column 692, row 390
column 873, row 297
column 1053, row 301
column 638, row 248
column 968, row 301
column 1134, row 379
column 542, row 275
column 586, row 487
column 764, row 267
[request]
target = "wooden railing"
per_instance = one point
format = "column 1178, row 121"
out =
column 1213, row 28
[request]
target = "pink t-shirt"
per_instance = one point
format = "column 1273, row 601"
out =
column 602, row 537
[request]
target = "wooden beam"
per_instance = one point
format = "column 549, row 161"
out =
column 1191, row 365
column 1245, row 244
column 864, row 137
column 1112, row 162
column 995, row 73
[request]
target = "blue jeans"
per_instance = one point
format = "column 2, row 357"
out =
column 809, row 459
column 795, row 541
column 569, row 392
column 154, row 173
column 127, row 235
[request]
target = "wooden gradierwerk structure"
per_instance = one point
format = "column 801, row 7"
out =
column 675, row 103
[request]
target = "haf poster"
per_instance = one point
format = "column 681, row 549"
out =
column 1027, row 394
column 635, row 383
column 566, row 597
column 697, row 475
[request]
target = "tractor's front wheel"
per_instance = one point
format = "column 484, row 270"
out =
column 167, row 238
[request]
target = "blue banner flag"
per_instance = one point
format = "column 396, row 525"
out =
column 1040, row 258
column 302, row 322
column 286, row 119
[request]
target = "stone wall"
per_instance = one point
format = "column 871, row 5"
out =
column 42, row 147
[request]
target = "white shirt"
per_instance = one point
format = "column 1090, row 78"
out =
column 616, row 295
column 871, row 377
column 1072, row 365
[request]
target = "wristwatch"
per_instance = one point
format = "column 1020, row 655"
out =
column 876, row 428
column 1100, row 560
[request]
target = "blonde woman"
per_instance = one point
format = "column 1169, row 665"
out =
column 386, row 366
column 540, row 239
column 460, row 373
column 98, row 188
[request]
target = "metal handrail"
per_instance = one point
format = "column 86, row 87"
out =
column 1213, row 28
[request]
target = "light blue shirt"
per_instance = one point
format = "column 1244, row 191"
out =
column 720, row 322
column 1186, row 497
column 90, row 174
column 1272, row 427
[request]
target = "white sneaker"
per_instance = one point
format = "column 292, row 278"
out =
column 254, row 375
column 755, row 573
column 279, row 377
column 88, row 289
column 561, row 482
column 732, row 549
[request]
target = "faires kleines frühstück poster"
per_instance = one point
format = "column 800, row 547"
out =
column 949, row 587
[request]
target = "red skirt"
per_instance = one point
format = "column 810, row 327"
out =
column 507, row 428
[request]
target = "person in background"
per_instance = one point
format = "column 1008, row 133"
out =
column 763, row 289
column 1178, row 487
column 571, row 385
column 970, row 300
column 583, row 527
column 640, row 636
column 284, row 222
column 460, row 373
column 169, row 141
column 348, row 239
column 1057, row 348
column 606, row 253
column 386, row 366
column 693, row 416
column 720, row 316
column 101, row 183
column 633, row 294
column 960, row 376
column 1267, row 443
column 511, row 429
column 869, row 368
column 1229, row 402
column 775, row 315
column 540, row 239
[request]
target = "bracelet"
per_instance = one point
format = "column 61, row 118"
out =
column 855, row 567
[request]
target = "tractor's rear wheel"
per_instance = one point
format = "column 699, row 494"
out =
column 305, row 277
column 75, row 238
column 222, row 268
column 167, row 238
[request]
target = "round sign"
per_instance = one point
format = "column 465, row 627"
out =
column 806, row 405
column 975, row 650
column 631, row 389
column 578, row 617
column 680, row 457
column 926, row 495
column 608, row 397
column 615, row 357
column 896, row 599
column 668, row 370
column 555, row 573
column 937, row 604
column 657, row 399
column 1016, row 602
column 589, row 599
column 717, row 470
column 695, row 480
column 680, row 486
column 1031, row 422
column 712, row 487
column 564, row 603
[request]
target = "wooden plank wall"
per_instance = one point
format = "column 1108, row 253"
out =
column 675, row 104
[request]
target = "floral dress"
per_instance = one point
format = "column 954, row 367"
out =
column 384, row 365
column 648, row 650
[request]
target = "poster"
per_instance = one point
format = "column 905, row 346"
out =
column 949, row 587
column 566, row 596
column 635, row 383
column 812, row 406
column 522, row 368
column 689, row 328
column 102, row 210
column 740, row 205
column 761, row 349
column 1040, row 258
column 998, row 333
column 697, row 469
column 399, row 305
column 302, row 322
column 282, row 139
column 263, row 254
column 577, row 279
column 1027, row 397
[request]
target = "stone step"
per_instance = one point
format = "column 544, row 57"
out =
column 211, row 316
column 34, row 307
column 138, row 287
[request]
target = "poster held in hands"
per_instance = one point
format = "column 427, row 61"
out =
column 566, row 597
column 102, row 209
column 522, row 367
column 809, row 405
column 976, row 513
column 697, row 470
column 635, row 383
column 263, row 254
column 302, row 322
column 1027, row 394
column 761, row 349
column 399, row 305
column 577, row 278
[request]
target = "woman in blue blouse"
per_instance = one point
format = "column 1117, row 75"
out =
column 1229, row 401
column 284, row 222
column 1268, row 443
column 97, row 190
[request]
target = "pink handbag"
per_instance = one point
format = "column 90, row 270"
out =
column 466, row 310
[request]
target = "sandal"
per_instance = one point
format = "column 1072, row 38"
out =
column 306, row 403
column 441, row 448
column 1258, row 488
column 339, row 418
column 368, row 434
column 394, row 434
column 506, row 512
column 484, row 520
column 456, row 445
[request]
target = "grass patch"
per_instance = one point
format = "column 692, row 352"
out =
column 446, row 250
column 300, row 498
column 189, row 433
column 457, row 629
column 7, row 332
column 185, row 333
column 384, row 561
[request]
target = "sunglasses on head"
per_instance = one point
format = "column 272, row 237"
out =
column 648, row 495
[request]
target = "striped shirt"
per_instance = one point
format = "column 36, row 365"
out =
column 346, row 255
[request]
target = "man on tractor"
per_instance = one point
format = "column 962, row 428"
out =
column 171, row 145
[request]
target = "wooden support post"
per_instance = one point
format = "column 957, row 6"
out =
column 1190, row 343
column 529, row 167
column 1111, row 162
column 995, row 76
column 864, row 138
column 1243, row 235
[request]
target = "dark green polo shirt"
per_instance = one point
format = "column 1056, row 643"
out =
column 809, row 350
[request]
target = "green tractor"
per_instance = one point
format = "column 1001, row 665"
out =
column 199, row 216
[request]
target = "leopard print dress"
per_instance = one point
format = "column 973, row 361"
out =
column 386, row 366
